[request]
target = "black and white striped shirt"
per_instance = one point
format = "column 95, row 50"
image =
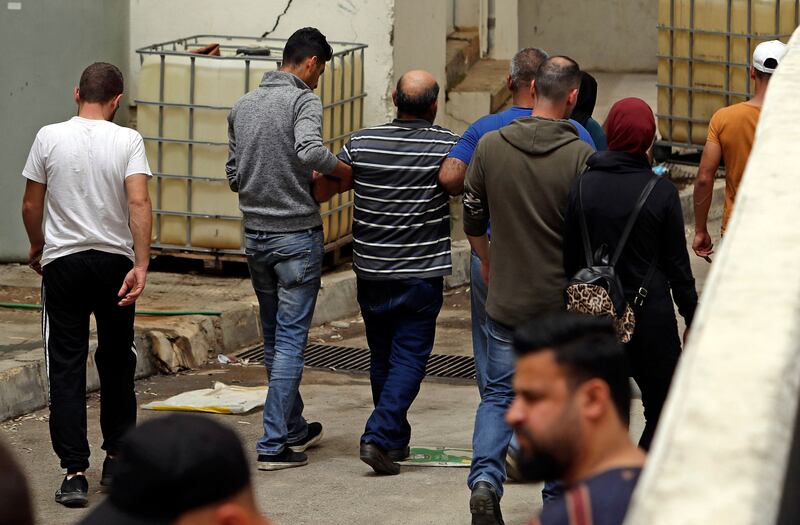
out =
column 401, row 221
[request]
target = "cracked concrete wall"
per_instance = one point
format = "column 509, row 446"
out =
column 365, row 21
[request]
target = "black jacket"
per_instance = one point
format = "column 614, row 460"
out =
column 611, row 187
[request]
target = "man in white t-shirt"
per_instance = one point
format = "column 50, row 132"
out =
column 93, row 249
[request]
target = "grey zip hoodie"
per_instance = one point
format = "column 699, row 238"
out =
column 274, row 144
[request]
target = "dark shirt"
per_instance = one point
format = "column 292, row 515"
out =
column 611, row 187
column 600, row 500
column 598, row 135
column 401, row 218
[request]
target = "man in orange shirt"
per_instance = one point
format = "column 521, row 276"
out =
column 730, row 137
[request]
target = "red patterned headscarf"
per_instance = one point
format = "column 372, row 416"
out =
column 630, row 126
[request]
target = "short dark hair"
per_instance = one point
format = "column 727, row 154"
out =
column 418, row 104
column 760, row 75
column 586, row 346
column 100, row 82
column 306, row 43
column 556, row 77
column 15, row 499
column 524, row 65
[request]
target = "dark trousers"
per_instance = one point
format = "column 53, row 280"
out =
column 653, row 353
column 75, row 286
column 400, row 320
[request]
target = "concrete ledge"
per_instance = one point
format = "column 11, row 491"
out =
column 23, row 387
column 717, row 203
column 173, row 344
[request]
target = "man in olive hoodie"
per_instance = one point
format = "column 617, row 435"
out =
column 275, row 145
column 520, row 176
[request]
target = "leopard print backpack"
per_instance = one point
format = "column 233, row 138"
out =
column 596, row 289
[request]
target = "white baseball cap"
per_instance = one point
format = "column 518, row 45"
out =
column 768, row 55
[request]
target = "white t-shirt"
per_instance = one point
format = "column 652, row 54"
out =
column 84, row 163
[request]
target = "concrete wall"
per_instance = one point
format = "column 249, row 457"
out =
column 467, row 13
column 608, row 35
column 46, row 45
column 420, row 40
column 507, row 26
column 722, row 450
column 451, row 16
column 364, row 21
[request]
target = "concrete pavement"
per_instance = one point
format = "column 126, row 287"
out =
column 335, row 487
column 171, row 343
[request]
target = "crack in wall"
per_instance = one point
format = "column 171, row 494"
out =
column 278, row 20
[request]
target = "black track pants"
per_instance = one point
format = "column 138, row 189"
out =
column 76, row 286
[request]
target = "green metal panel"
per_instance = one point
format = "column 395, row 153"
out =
column 44, row 46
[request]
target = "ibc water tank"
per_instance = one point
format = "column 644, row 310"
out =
column 183, row 103
column 705, row 48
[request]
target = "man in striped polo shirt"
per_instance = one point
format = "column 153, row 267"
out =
column 401, row 253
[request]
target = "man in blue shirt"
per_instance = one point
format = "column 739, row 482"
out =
column 451, row 175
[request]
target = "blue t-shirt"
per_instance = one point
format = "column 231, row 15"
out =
column 469, row 141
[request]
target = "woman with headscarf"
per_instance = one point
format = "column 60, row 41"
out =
column 655, row 256
column 587, row 98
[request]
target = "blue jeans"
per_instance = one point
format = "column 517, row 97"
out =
column 285, row 270
column 491, row 437
column 400, row 321
column 478, row 291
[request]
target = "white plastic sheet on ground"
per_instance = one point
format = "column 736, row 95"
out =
column 222, row 399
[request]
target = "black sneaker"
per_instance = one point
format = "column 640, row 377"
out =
column 286, row 459
column 378, row 459
column 74, row 492
column 398, row 454
column 109, row 470
column 312, row 439
column 485, row 505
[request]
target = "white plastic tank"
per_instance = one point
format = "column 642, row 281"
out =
column 705, row 48
column 183, row 103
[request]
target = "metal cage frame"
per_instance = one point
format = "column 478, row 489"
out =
column 180, row 47
column 690, row 88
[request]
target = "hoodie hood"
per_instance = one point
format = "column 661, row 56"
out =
column 539, row 136
column 281, row 78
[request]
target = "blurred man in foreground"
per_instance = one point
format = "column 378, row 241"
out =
column 15, row 498
column 180, row 470
column 571, row 414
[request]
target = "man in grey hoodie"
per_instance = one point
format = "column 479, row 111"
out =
column 520, row 176
column 275, row 146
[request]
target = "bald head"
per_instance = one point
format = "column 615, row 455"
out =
column 416, row 94
column 556, row 78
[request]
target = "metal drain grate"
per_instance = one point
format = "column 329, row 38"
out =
column 357, row 360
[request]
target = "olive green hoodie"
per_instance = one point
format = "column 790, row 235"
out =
column 520, row 177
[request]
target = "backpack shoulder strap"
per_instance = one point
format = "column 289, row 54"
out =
column 634, row 215
column 587, row 244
